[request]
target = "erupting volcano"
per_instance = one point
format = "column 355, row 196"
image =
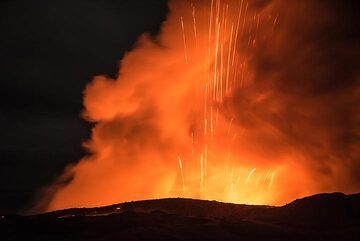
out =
column 223, row 104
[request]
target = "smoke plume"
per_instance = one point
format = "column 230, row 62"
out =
column 240, row 101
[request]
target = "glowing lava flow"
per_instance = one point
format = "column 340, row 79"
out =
column 225, row 70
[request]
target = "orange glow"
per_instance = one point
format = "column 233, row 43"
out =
column 190, row 116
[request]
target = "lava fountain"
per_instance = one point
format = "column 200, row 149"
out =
column 207, row 109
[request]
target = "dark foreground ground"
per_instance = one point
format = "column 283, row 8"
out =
column 320, row 217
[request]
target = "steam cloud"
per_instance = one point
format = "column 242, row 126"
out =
column 292, row 113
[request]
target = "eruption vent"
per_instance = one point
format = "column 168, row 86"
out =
column 225, row 103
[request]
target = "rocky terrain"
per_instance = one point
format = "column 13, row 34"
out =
column 334, row 216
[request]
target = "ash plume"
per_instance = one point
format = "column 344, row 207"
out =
column 258, row 99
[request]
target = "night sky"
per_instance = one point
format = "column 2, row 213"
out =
column 49, row 51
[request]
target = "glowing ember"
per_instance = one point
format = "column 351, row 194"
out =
column 189, row 116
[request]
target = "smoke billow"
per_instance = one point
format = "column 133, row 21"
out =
column 248, row 102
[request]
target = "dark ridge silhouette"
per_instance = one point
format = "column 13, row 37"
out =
column 334, row 216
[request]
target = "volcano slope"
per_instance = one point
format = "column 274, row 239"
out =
column 334, row 216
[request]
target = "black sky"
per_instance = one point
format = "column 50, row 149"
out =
column 49, row 51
